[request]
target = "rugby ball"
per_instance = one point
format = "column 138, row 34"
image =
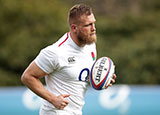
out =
column 101, row 73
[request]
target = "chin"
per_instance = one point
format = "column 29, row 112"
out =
column 92, row 40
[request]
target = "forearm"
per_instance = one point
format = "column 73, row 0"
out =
column 31, row 77
column 37, row 87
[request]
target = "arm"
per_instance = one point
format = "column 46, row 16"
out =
column 31, row 77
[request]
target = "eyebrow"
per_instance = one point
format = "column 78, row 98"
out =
column 89, row 23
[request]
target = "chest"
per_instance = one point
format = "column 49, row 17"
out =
column 76, row 65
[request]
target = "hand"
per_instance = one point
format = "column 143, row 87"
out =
column 60, row 102
column 113, row 80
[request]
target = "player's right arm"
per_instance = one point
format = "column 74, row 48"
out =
column 31, row 78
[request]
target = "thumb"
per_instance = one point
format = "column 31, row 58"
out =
column 66, row 95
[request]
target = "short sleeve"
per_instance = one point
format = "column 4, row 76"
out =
column 47, row 60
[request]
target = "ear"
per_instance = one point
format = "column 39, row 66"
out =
column 74, row 28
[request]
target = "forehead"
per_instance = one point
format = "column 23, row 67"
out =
column 86, row 19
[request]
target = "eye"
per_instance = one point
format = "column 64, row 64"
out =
column 91, row 24
column 86, row 25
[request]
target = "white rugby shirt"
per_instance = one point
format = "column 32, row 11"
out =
column 68, row 66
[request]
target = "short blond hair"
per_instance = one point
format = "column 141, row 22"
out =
column 77, row 11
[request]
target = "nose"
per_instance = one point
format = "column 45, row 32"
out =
column 93, row 28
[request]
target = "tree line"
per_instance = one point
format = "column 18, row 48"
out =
column 127, row 32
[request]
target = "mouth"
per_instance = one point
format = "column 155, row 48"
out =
column 93, row 33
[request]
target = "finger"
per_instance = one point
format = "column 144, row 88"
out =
column 110, row 85
column 61, row 107
column 112, row 81
column 64, row 104
column 114, row 76
column 66, row 95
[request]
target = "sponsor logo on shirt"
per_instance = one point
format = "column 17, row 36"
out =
column 71, row 59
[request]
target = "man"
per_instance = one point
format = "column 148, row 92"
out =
column 66, row 65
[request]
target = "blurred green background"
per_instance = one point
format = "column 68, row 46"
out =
column 128, row 31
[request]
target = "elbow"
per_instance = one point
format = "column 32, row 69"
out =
column 24, row 78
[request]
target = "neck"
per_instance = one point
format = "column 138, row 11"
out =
column 75, row 39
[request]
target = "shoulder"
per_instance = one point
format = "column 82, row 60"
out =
column 56, row 47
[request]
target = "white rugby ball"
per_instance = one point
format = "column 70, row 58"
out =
column 102, row 73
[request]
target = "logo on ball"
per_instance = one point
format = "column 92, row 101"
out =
column 101, row 73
